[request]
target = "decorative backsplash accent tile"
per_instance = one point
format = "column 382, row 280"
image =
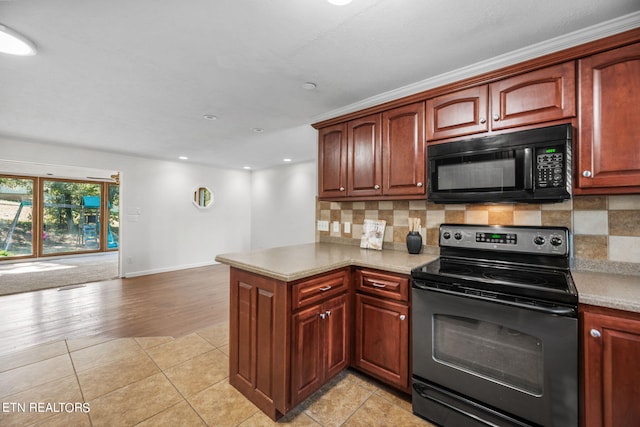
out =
column 604, row 228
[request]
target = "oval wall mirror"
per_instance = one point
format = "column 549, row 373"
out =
column 202, row 197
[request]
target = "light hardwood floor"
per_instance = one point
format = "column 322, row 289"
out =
column 166, row 304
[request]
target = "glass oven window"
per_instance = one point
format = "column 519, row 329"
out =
column 491, row 174
column 491, row 351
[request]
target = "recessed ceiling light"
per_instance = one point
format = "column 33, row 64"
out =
column 286, row 160
column 309, row 86
column 339, row 2
column 183, row 158
column 210, row 117
column 246, row 167
column 14, row 43
column 258, row 130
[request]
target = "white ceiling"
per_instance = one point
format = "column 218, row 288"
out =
column 137, row 76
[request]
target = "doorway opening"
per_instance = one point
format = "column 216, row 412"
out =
column 44, row 220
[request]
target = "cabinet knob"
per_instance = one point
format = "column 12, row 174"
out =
column 341, row 188
column 419, row 184
column 325, row 288
column 402, row 317
column 496, row 117
column 377, row 187
column 483, row 120
column 595, row 333
column 328, row 313
column 586, row 174
column 322, row 315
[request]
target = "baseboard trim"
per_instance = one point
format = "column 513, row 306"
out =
column 166, row 269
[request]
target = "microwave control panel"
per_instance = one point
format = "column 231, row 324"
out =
column 550, row 170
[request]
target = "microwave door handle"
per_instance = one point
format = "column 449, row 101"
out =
column 528, row 169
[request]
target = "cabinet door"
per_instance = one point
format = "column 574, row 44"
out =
column 609, row 143
column 535, row 97
column 404, row 151
column 382, row 340
column 611, row 374
column 364, row 154
column 336, row 328
column 307, row 347
column 332, row 161
column 459, row 113
column 257, row 345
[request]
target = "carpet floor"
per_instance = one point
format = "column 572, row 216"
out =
column 16, row 277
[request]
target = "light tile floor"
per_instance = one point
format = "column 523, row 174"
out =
column 162, row 381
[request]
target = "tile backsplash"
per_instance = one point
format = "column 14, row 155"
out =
column 605, row 229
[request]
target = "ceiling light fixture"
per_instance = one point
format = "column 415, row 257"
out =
column 286, row 160
column 247, row 168
column 210, row 117
column 183, row 158
column 339, row 2
column 258, row 130
column 14, row 43
column 309, row 86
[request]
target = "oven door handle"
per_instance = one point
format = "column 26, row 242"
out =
column 558, row 310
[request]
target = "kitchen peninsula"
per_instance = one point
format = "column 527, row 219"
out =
column 291, row 324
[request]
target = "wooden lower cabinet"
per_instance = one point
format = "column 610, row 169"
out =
column 287, row 339
column 320, row 346
column 258, row 344
column 381, row 340
column 611, row 376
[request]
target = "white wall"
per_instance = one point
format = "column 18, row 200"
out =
column 283, row 205
column 170, row 232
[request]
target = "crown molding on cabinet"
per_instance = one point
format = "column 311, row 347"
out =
column 576, row 38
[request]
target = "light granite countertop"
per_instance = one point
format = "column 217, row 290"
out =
column 290, row 263
column 611, row 290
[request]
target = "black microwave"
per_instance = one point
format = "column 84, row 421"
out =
column 531, row 166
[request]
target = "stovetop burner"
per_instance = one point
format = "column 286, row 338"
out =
column 518, row 261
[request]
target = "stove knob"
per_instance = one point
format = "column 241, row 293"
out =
column 458, row 236
column 538, row 240
column 446, row 235
column 556, row 241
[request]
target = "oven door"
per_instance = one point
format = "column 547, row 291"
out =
column 520, row 361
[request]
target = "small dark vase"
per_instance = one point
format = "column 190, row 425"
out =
column 414, row 242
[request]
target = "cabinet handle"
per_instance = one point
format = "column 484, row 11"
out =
column 377, row 187
column 322, row 315
column 483, row 120
column 402, row 317
column 378, row 285
column 325, row 288
column 586, row 174
column 328, row 313
column 595, row 333
column 341, row 188
column 496, row 117
column 419, row 184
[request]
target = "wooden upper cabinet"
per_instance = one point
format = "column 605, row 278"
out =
column 332, row 161
column 364, row 156
column 609, row 123
column 403, row 150
column 535, row 97
column 459, row 113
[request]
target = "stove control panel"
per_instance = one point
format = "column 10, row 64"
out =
column 534, row 240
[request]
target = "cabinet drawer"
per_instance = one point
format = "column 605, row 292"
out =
column 319, row 288
column 384, row 285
